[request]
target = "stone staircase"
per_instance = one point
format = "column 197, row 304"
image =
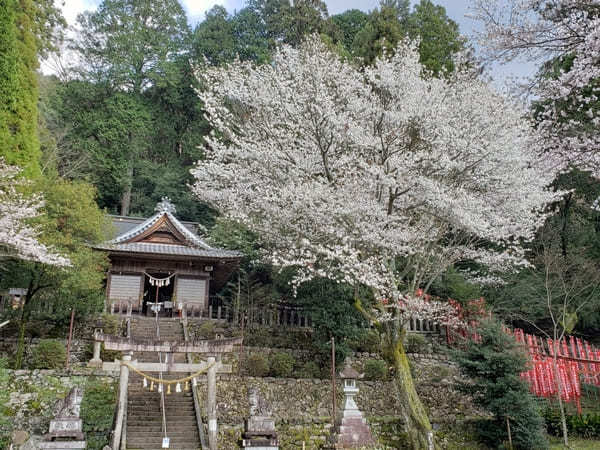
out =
column 144, row 415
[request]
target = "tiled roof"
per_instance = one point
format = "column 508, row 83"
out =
column 167, row 249
column 123, row 224
column 128, row 228
column 139, row 229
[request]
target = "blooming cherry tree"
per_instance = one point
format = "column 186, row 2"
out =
column 566, row 33
column 382, row 178
column 18, row 238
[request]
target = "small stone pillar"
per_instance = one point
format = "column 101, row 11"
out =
column 211, row 403
column 66, row 428
column 352, row 431
column 96, row 361
column 259, row 428
column 123, row 385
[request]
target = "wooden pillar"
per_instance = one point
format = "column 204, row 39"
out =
column 211, row 404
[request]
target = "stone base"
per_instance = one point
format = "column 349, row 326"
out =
column 354, row 432
column 62, row 445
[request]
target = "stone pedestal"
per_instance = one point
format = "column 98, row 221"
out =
column 63, row 445
column 66, row 429
column 259, row 428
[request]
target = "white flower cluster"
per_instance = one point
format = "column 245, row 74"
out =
column 384, row 177
column 17, row 237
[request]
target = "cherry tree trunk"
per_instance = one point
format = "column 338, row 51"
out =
column 418, row 429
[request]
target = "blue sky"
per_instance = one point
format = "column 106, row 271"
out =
column 456, row 10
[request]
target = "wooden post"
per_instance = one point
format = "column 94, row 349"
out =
column 333, row 379
column 241, row 347
column 510, row 446
column 70, row 337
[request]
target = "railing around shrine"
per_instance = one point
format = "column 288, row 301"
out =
column 279, row 315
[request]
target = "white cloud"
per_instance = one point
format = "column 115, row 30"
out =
column 196, row 8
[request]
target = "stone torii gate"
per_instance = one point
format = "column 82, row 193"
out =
column 213, row 348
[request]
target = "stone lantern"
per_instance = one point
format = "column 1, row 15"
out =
column 353, row 430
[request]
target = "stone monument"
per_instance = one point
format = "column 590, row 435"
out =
column 352, row 431
column 66, row 430
column 259, row 428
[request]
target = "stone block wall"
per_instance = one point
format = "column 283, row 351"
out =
column 302, row 407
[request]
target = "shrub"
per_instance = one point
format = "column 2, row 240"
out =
column 97, row 410
column 49, row 354
column 369, row 342
column 206, row 330
column 111, row 324
column 375, row 369
column 257, row 365
column 282, row 364
column 585, row 426
column 309, row 369
column 415, row 343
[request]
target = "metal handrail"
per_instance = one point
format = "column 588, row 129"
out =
column 160, row 376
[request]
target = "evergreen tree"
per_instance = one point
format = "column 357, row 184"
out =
column 130, row 46
column 18, row 86
column 492, row 367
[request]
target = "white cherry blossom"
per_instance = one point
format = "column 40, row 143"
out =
column 18, row 238
column 383, row 178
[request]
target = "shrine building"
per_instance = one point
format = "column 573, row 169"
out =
column 161, row 263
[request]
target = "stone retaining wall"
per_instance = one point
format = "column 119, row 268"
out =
column 301, row 407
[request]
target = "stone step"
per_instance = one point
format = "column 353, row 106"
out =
column 134, row 407
column 155, row 441
column 141, row 411
column 159, row 448
column 187, row 428
column 141, row 423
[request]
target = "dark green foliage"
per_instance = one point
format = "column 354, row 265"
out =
column 97, row 411
column 333, row 313
column 568, row 248
column 49, row 354
column 492, row 368
column 391, row 23
column 257, row 365
column 122, row 50
column 368, row 341
column 309, row 369
column 585, row 425
column 375, row 370
column 383, row 31
column 5, row 422
column 415, row 343
column 439, row 37
column 452, row 284
column 281, row 364
column 214, row 37
column 348, row 24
